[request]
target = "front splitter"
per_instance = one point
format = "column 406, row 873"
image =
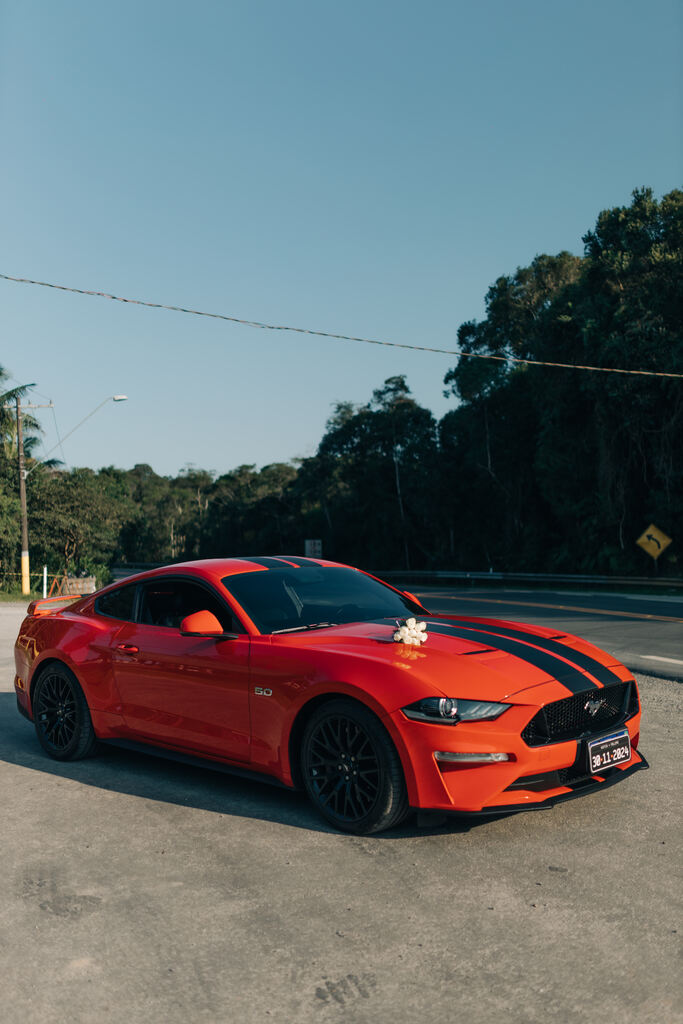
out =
column 579, row 789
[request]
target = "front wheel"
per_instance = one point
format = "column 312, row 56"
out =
column 351, row 770
column 61, row 716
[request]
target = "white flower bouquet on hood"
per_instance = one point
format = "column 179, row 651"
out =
column 411, row 632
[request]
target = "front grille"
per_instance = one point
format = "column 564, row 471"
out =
column 567, row 776
column 633, row 701
column 570, row 718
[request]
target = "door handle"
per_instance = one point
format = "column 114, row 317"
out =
column 128, row 649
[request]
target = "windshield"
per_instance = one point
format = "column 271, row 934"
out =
column 279, row 600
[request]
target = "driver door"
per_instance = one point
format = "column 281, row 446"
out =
column 190, row 693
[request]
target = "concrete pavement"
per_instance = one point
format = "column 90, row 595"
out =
column 135, row 890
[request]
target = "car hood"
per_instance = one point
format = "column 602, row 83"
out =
column 467, row 658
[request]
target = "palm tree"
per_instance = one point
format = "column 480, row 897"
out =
column 10, row 513
column 8, row 425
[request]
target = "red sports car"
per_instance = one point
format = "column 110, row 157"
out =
column 320, row 676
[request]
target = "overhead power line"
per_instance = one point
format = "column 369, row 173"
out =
column 344, row 337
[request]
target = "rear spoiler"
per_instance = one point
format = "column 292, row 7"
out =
column 47, row 605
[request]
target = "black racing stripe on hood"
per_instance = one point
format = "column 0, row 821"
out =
column 603, row 674
column 566, row 674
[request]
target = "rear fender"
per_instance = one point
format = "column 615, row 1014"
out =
column 81, row 644
column 100, row 692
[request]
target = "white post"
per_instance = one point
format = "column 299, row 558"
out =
column 44, row 581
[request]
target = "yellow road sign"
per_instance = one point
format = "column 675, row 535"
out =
column 654, row 541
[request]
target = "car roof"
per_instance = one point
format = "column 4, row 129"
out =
column 216, row 569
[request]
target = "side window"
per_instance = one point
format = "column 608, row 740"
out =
column 166, row 602
column 117, row 604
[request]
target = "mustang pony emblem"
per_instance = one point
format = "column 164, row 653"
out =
column 593, row 705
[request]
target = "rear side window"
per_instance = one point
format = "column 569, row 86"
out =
column 117, row 604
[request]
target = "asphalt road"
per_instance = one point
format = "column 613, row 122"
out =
column 135, row 890
column 643, row 632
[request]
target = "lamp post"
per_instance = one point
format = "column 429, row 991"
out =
column 23, row 473
column 110, row 398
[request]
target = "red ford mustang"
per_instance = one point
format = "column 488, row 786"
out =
column 297, row 669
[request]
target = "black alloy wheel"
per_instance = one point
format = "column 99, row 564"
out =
column 351, row 769
column 61, row 716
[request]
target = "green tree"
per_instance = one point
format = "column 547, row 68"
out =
column 253, row 510
column 382, row 457
column 564, row 469
column 75, row 519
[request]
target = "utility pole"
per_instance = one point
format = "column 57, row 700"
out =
column 25, row 576
column 23, row 473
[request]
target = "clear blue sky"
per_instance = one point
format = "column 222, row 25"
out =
column 360, row 167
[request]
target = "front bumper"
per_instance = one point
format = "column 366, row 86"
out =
column 532, row 778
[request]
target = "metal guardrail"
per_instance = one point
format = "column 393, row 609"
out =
column 444, row 576
column 427, row 576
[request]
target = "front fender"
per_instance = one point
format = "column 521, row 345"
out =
column 293, row 725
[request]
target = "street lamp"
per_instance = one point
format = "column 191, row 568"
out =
column 23, row 473
column 110, row 398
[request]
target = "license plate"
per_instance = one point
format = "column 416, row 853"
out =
column 608, row 751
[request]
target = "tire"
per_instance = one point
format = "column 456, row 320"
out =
column 351, row 770
column 61, row 717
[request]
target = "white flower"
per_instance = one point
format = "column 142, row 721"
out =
column 411, row 632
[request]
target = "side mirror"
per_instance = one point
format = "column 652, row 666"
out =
column 202, row 623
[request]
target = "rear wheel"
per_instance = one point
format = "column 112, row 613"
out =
column 351, row 770
column 61, row 716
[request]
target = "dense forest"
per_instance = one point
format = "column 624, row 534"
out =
column 536, row 468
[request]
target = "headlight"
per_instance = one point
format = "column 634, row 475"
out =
column 451, row 710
